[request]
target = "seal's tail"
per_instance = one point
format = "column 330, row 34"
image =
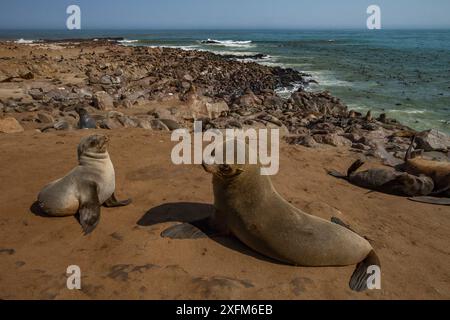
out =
column 359, row 278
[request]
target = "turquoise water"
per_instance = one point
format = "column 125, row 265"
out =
column 404, row 73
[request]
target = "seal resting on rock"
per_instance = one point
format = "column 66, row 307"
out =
column 387, row 180
column 88, row 186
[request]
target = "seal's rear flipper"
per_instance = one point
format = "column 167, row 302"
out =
column 183, row 231
column 355, row 166
column 113, row 202
column 336, row 174
column 89, row 210
column 432, row 200
column 359, row 278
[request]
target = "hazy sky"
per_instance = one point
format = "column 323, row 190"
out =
column 179, row 14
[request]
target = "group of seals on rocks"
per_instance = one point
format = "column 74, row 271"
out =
column 419, row 179
column 438, row 171
column 387, row 180
column 86, row 188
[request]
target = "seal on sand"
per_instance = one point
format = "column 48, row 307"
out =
column 247, row 205
column 438, row 171
column 84, row 189
column 86, row 121
column 387, row 180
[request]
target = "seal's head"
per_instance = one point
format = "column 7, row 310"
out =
column 94, row 144
column 81, row 111
column 222, row 167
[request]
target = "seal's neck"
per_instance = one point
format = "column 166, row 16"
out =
column 88, row 157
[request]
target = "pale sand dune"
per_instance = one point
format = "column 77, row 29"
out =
column 122, row 259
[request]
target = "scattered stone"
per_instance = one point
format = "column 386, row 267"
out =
column 10, row 125
column 433, row 140
column 103, row 101
column 45, row 117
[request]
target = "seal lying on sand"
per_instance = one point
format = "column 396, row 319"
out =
column 247, row 206
column 387, row 180
column 86, row 121
column 84, row 189
column 438, row 171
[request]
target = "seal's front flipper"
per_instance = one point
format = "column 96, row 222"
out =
column 89, row 210
column 183, row 231
column 113, row 202
column 432, row 200
column 359, row 278
column 193, row 230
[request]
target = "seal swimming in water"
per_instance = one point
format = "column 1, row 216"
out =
column 438, row 171
column 387, row 180
column 84, row 189
column 248, row 207
column 86, row 121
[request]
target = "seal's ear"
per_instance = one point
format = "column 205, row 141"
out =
column 89, row 210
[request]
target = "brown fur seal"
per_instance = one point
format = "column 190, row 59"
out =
column 248, row 206
column 438, row 171
column 387, row 180
column 84, row 189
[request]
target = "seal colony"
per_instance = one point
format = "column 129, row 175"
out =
column 387, row 180
column 421, row 180
column 86, row 188
column 438, row 171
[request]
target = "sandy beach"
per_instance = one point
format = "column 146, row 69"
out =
column 126, row 257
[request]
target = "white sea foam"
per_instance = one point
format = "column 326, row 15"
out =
column 286, row 92
column 23, row 41
column 126, row 41
column 412, row 111
column 228, row 43
column 186, row 48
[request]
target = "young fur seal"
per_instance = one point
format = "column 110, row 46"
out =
column 86, row 121
column 387, row 180
column 84, row 189
column 248, row 206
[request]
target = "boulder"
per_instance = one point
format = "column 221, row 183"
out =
column 45, row 117
column 433, row 140
column 10, row 125
column 103, row 101
column 332, row 139
column 215, row 109
column 171, row 124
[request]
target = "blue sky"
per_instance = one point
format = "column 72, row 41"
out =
column 223, row 14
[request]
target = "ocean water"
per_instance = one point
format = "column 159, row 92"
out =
column 404, row 73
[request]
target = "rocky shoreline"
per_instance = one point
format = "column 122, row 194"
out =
column 43, row 84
